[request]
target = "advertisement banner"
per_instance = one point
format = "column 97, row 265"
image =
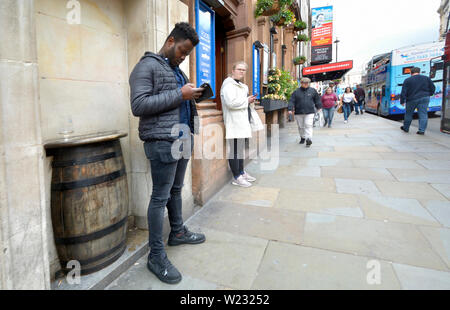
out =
column 322, row 26
column 205, row 20
column 417, row 53
column 321, row 54
column 322, row 35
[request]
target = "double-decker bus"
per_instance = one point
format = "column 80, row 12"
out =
column 386, row 73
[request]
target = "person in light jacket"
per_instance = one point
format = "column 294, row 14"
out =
column 235, row 106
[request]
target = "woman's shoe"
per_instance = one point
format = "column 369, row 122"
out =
column 241, row 181
column 248, row 177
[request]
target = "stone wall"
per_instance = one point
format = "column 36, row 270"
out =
column 60, row 77
column 23, row 222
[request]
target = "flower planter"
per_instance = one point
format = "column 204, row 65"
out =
column 273, row 10
column 273, row 105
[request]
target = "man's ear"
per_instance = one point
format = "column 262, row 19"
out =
column 170, row 42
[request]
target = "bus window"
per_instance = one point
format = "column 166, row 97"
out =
column 407, row 70
column 383, row 91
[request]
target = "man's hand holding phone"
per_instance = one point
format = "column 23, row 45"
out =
column 190, row 92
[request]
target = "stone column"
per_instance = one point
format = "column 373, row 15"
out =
column 23, row 234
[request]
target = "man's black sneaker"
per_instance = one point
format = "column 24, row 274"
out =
column 420, row 133
column 162, row 268
column 362, row 112
column 403, row 128
column 325, row 124
column 308, row 143
column 186, row 237
column 302, row 140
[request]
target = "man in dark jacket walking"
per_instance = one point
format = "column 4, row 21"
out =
column 162, row 98
column 416, row 92
column 305, row 101
column 360, row 96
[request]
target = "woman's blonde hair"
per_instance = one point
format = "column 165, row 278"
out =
column 237, row 63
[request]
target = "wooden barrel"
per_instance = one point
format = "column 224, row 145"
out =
column 89, row 204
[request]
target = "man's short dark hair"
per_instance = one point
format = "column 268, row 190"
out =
column 415, row 70
column 184, row 31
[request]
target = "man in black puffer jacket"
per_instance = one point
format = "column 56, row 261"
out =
column 162, row 98
column 305, row 101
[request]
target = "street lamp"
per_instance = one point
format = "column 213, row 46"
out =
column 336, row 42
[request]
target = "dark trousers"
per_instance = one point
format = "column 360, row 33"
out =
column 236, row 157
column 168, row 177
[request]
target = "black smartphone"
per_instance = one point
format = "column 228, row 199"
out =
column 207, row 92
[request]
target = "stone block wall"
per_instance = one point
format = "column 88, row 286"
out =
column 24, row 259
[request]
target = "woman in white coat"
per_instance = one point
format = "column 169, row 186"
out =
column 235, row 104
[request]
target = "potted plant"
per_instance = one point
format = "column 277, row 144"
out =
column 280, row 88
column 302, row 37
column 300, row 26
column 267, row 7
column 284, row 18
column 299, row 60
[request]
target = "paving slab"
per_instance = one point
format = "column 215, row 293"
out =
column 439, row 239
column 416, row 278
column 444, row 189
column 267, row 223
column 329, row 162
column 427, row 176
column 255, row 195
column 386, row 163
column 230, row 260
column 408, row 190
column 400, row 210
column 351, row 186
column 297, row 182
column 375, row 149
column 140, row 278
column 350, row 155
column 327, row 203
column 396, row 242
column 357, row 173
column 435, row 164
column 399, row 156
column 435, row 155
column 292, row 267
column 440, row 210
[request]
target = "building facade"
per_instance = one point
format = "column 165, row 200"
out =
column 443, row 11
column 65, row 66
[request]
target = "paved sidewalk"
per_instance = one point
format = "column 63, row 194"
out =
column 366, row 197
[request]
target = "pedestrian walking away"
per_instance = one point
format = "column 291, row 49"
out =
column 303, row 103
column 360, row 95
column 162, row 98
column 329, row 103
column 237, row 106
column 416, row 92
column 347, row 101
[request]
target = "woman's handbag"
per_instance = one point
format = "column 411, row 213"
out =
column 255, row 121
column 340, row 109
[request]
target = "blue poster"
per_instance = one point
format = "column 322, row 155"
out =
column 256, row 72
column 205, row 27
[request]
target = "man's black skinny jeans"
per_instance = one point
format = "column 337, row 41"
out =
column 168, row 177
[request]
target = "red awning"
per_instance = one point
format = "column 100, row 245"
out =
column 328, row 72
column 336, row 66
